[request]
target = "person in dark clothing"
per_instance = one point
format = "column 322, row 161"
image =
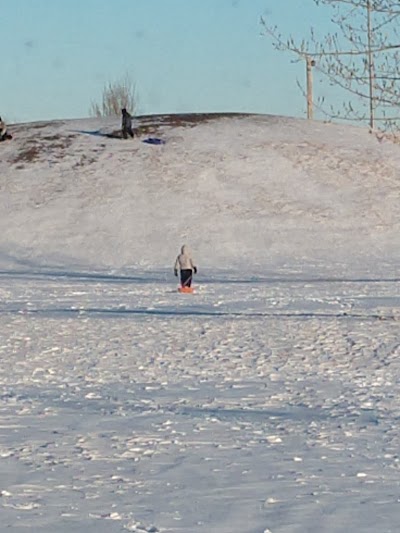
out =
column 4, row 135
column 126, row 124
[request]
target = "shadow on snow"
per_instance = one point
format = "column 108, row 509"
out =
column 165, row 277
column 188, row 312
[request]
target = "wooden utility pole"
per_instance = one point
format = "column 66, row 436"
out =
column 310, row 101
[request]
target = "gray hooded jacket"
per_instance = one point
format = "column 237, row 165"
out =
column 184, row 260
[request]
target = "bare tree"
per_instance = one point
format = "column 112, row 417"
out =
column 361, row 60
column 116, row 96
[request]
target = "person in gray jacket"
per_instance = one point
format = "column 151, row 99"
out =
column 185, row 266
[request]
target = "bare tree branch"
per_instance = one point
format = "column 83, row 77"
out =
column 362, row 59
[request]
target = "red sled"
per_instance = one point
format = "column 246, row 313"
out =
column 188, row 290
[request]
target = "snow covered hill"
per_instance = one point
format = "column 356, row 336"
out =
column 267, row 402
column 254, row 192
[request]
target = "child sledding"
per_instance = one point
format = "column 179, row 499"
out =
column 185, row 268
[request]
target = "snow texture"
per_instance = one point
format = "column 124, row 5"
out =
column 266, row 402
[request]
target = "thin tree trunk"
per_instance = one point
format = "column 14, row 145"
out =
column 371, row 69
column 310, row 110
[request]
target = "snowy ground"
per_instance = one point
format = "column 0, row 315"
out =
column 247, row 407
column 265, row 402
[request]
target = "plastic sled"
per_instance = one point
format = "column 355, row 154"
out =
column 187, row 290
column 154, row 140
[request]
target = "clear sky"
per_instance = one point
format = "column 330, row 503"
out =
column 185, row 55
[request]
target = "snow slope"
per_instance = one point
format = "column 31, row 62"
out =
column 248, row 191
column 267, row 402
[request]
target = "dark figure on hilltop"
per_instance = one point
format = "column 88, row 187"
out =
column 4, row 136
column 126, row 124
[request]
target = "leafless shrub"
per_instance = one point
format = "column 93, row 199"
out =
column 117, row 95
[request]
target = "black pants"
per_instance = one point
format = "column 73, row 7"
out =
column 126, row 132
column 186, row 277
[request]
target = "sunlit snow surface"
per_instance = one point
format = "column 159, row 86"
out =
column 252, row 405
column 266, row 402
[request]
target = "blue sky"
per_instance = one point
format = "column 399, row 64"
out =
column 185, row 55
